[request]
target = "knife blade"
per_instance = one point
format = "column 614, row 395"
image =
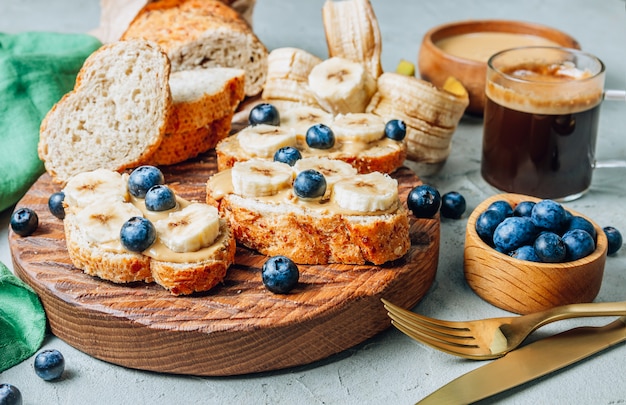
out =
column 529, row 362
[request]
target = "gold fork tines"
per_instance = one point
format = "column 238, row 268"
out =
column 492, row 337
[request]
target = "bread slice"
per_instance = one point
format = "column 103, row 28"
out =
column 310, row 231
column 115, row 116
column 201, row 34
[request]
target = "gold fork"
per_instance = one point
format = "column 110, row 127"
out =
column 493, row 337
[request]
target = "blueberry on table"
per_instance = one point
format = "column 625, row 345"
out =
column 550, row 247
column 264, row 113
column 137, row 234
column 523, row 209
column 502, row 206
column 424, row 201
column 142, row 179
column 578, row 244
column 614, row 238
column 577, row 222
column 527, row 253
column 395, row 129
column 287, row 154
column 10, row 395
column 309, row 184
column 55, row 204
column 24, row 221
column 280, row 274
column 320, row 136
column 49, row 364
column 160, row 198
column 486, row 224
column 512, row 233
column 452, row 205
column 549, row 215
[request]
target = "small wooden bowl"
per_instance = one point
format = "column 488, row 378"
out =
column 521, row 286
column 436, row 66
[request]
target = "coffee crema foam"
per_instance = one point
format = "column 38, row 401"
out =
column 553, row 89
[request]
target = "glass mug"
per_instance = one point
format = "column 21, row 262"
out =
column 541, row 121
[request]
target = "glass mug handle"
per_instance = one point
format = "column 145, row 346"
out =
column 612, row 95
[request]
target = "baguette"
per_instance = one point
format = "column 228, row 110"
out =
column 201, row 34
column 257, row 200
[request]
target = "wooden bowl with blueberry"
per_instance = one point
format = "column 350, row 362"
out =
column 532, row 254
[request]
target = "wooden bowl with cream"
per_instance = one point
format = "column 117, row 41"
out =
column 461, row 49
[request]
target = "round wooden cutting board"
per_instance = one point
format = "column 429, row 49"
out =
column 236, row 328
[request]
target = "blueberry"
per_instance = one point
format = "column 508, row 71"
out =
column 577, row 222
column 264, row 113
column 549, row 215
column 49, row 364
column 527, row 253
column 24, row 221
column 503, row 206
column 55, row 204
column 142, row 179
column 320, row 136
column 614, row 239
column 424, row 201
column 523, row 209
column 578, row 244
column 550, row 247
column 452, row 205
column 160, row 198
column 486, row 224
column 287, row 154
column 137, row 234
column 309, row 184
column 395, row 129
column 512, row 233
column 280, row 274
column 10, row 395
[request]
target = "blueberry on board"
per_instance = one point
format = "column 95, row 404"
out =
column 614, row 238
column 578, row 244
column 137, row 234
column 424, row 201
column 452, row 205
column 160, row 198
column 264, row 113
column 142, row 179
column 10, row 395
column 523, row 209
column 309, row 184
column 527, row 253
column 512, row 233
column 503, row 206
column 55, row 204
column 287, row 154
column 395, row 129
column 320, row 136
column 486, row 224
column 550, row 247
column 577, row 222
column 24, row 221
column 49, row 364
column 549, row 215
column 280, row 274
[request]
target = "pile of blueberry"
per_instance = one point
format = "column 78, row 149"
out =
column 540, row 232
column 49, row 365
column 424, row 201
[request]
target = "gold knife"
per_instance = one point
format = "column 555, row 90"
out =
column 529, row 362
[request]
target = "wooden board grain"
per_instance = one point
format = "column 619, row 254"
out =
column 238, row 327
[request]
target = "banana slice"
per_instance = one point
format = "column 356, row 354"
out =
column 303, row 117
column 359, row 127
column 264, row 140
column 101, row 222
column 194, row 227
column 333, row 170
column 366, row 192
column 260, row 178
column 342, row 86
column 87, row 188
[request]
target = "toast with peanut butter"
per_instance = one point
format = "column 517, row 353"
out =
column 185, row 246
column 317, row 211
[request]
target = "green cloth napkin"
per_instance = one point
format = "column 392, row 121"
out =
column 36, row 70
column 22, row 320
